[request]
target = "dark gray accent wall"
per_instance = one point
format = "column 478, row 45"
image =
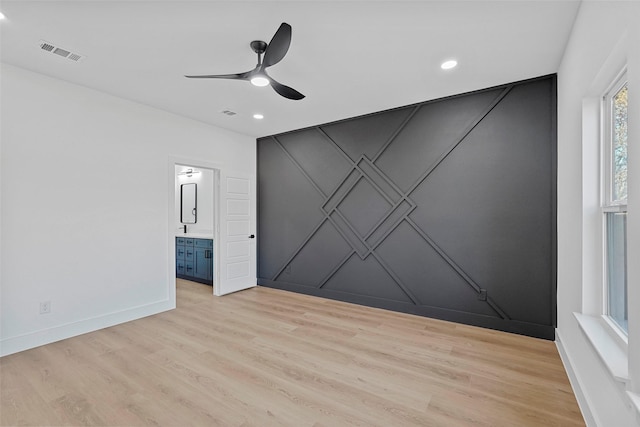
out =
column 444, row 209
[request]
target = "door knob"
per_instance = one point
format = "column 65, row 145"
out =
column 252, row 236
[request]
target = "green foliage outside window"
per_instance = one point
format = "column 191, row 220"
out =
column 620, row 145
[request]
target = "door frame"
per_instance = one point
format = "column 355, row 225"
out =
column 172, row 220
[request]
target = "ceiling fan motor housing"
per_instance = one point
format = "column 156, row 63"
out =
column 258, row 46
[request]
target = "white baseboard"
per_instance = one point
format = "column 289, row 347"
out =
column 45, row 336
column 576, row 384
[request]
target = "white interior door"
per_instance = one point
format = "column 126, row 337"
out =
column 237, row 241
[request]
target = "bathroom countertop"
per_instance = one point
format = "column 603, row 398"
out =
column 195, row 235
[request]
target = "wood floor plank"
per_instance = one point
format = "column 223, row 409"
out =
column 266, row 357
column 20, row 403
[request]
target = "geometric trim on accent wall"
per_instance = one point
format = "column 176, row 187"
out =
column 445, row 209
column 363, row 173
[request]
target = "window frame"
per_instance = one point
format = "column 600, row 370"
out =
column 608, row 204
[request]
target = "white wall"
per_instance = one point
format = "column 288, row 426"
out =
column 605, row 33
column 85, row 205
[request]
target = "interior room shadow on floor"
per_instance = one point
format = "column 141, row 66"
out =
column 189, row 293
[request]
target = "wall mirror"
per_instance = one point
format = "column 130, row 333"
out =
column 188, row 203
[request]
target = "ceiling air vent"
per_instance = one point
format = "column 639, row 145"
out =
column 228, row 112
column 61, row 52
column 65, row 53
column 46, row 46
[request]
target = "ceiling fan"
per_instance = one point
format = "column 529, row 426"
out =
column 273, row 53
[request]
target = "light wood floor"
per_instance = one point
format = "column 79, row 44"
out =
column 265, row 357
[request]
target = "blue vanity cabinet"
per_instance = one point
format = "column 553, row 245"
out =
column 180, row 266
column 188, row 258
column 194, row 259
column 203, row 259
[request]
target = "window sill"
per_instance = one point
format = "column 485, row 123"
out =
column 635, row 401
column 610, row 351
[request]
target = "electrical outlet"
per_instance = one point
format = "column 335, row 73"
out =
column 45, row 307
column 287, row 269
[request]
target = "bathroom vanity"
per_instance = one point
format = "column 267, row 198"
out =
column 194, row 259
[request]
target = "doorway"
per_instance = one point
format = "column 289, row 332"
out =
column 229, row 218
column 196, row 223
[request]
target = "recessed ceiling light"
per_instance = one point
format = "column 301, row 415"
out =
column 2, row 15
column 258, row 116
column 447, row 65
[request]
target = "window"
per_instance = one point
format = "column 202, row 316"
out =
column 614, row 202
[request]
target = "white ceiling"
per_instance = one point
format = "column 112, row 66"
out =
column 348, row 57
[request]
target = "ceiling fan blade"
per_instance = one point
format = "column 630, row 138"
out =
column 278, row 46
column 286, row 91
column 239, row 76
